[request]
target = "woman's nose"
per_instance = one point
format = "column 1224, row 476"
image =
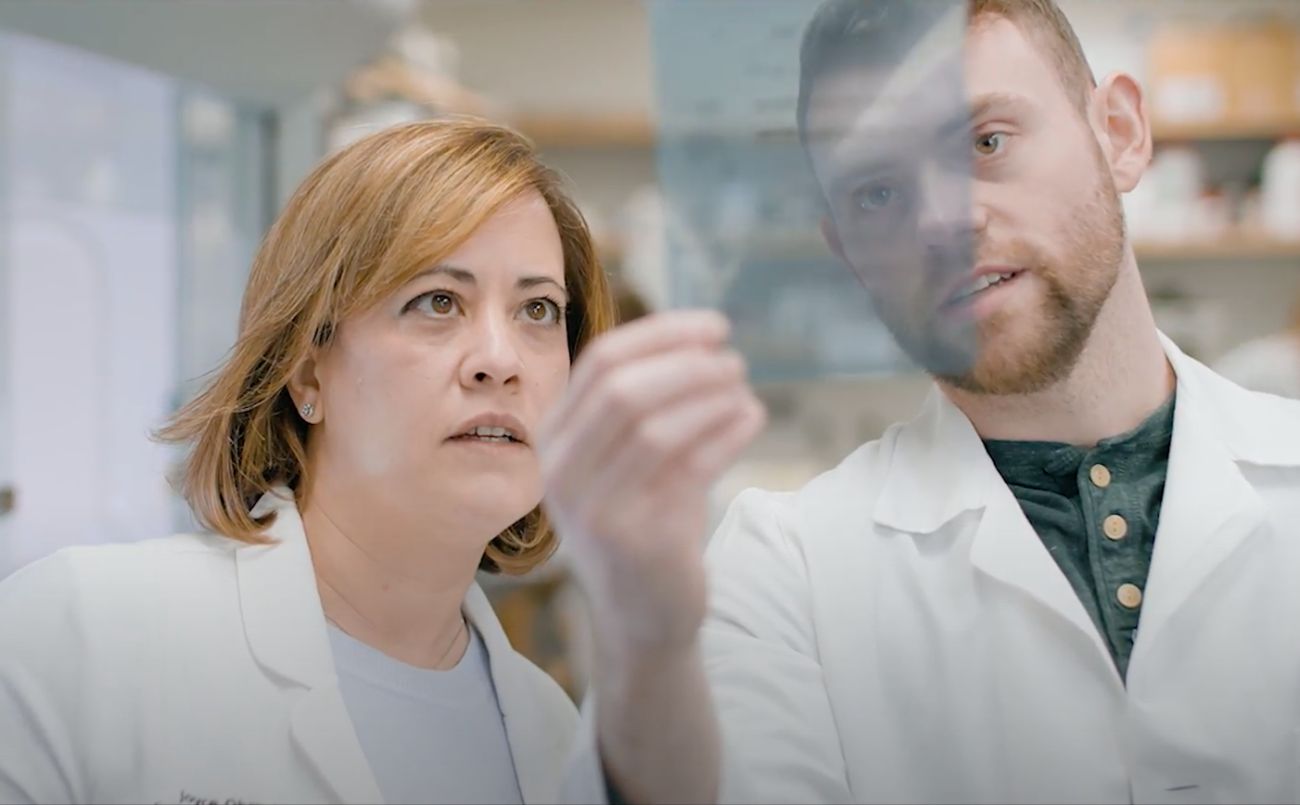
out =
column 492, row 357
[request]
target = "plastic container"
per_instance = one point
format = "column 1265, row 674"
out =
column 1280, row 190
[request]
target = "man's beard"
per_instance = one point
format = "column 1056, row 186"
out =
column 986, row 358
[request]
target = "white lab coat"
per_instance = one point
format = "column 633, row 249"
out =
column 197, row 668
column 897, row 632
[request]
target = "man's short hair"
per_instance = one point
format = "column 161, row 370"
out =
column 864, row 32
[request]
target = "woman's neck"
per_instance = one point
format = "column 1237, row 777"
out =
column 395, row 587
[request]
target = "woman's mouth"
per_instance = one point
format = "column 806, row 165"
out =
column 488, row 435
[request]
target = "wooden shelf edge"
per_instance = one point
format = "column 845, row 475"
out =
column 588, row 130
column 579, row 130
column 794, row 247
column 1228, row 130
column 1231, row 248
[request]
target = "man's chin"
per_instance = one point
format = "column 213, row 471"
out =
column 1002, row 355
column 942, row 351
column 996, row 382
column 1014, row 364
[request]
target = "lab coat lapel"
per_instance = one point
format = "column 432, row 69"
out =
column 538, row 753
column 940, row 470
column 1007, row 548
column 286, row 633
column 937, row 470
column 323, row 731
column 1209, row 508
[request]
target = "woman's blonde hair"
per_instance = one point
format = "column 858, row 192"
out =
column 365, row 222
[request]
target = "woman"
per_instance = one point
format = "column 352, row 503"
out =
column 367, row 447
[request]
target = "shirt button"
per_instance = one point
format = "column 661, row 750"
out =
column 1116, row 527
column 1129, row 595
column 1100, row 476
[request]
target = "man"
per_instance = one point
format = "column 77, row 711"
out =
column 1071, row 578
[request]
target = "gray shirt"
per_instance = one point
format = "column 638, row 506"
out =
column 430, row 736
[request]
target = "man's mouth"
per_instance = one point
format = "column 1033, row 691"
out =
column 981, row 284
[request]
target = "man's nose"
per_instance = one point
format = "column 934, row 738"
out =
column 946, row 212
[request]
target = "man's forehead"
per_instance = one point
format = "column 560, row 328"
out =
column 861, row 100
column 992, row 66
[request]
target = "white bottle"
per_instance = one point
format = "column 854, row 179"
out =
column 1165, row 210
column 1280, row 193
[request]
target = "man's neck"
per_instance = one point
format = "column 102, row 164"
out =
column 1121, row 377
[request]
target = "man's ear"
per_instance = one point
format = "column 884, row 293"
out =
column 1119, row 119
column 304, row 388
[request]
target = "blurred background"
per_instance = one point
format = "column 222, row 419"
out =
column 146, row 145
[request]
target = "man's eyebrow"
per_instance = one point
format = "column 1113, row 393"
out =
column 984, row 105
column 963, row 119
column 980, row 108
column 852, row 174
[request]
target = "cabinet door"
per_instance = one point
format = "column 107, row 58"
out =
column 88, row 261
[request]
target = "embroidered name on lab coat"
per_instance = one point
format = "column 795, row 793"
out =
column 186, row 798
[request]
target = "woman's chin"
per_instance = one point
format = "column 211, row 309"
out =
column 493, row 498
column 497, row 504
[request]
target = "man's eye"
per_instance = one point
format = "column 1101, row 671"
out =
column 989, row 144
column 875, row 197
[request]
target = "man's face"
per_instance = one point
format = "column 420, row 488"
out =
column 974, row 202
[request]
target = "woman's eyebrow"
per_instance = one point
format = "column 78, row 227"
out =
column 533, row 282
column 458, row 274
column 466, row 276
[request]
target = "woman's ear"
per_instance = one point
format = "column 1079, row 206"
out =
column 304, row 388
column 1120, row 122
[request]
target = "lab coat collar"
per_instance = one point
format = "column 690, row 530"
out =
column 940, row 469
column 1210, row 507
column 287, row 633
column 539, row 752
column 283, row 619
column 1253, row 428
column 285, row 627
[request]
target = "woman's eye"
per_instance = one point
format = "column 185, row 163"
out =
column 435, row 303
column 543, row 311
column 875, row 197
column 989, row 144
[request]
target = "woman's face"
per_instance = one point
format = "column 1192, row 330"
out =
column 429, row 402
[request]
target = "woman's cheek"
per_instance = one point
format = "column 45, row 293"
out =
column 390, row 434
